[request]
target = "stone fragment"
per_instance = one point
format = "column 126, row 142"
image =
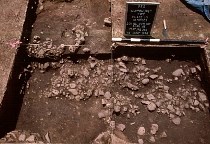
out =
column 176, row 120
column 141, row 131
column 166, row 88
column 55, row 92
column 150, row 97
column 140, row 141
column 31, row 139
column 178, row 73
column 47, row 137
column 193, row 70
column 163, row 135
column 72, row 85
column 202, row 96
column 145, row 102
column 151, row 107
column 168, row 96
column 22, row 137
column 121, row 127
column 107, row 95
column 170, row 108
column 154, row 129
column 152, row 139
column 73, row 91
column 124, row 58
column 196, row 103
column 198, row 67
column 100, row 92
column 132, row 87
column 143, row 62
column 145, row 81
column 153, row 76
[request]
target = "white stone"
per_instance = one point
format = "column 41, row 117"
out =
column 141, row 131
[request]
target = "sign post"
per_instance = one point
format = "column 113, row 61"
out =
column 139, row 18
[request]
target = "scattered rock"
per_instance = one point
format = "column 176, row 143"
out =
column 143, row 61
column 152, row 139
column 178, row 73
column 163, row 135
column 47, row 137
column 154, row 129
column 176, row 120
column 145, row 102
column 202, row 96
column 168, row 96
column 73, row 91
column 153, row 76
column 196, row 103
column 132, row 87
column 141, row 131
column 55, row 92
column 150, row 97
column 107, row 95
column 145, row 81
column 151, row 107
column 31, row 138
column 140, row 141
column 22, row 137
column 121, row 127
column 193, row 70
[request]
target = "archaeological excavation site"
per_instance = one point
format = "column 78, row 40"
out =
column 104, row 72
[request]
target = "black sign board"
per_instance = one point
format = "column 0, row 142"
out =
column 139, row 18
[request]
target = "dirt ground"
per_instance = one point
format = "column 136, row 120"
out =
column 83, row 99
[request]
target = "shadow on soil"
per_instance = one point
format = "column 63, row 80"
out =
column 12, row 102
